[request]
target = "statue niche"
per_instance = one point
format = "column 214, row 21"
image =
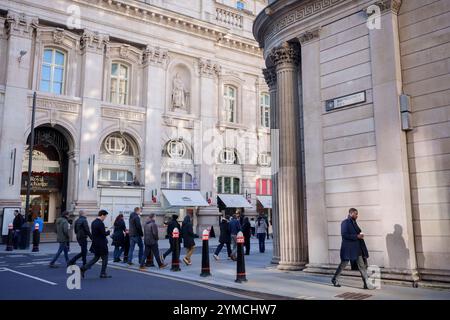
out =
column 180, row 97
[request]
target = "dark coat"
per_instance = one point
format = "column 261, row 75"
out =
column 99, row 241
column 352, row 247
column 150, row 233
column 234, row 226
column 82, row 229
column 62, row 230
column 171, row 226
column 135, row 225
column 118, row 235
column 225, row 236
column 187, row 232
column 18, row 221
column 246, row 229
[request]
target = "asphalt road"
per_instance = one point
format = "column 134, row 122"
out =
column 26, row 276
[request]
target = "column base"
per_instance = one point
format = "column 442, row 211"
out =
column 291, row 266
column 275, row 260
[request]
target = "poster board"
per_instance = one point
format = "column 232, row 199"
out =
column 8, row 217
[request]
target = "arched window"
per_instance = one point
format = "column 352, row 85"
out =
column 228, row 185
column 230, row 103
column 52, row 73
column 176, row 149
column 119, row 83
column 264, row 103
column 117, row 144
column 228, row 156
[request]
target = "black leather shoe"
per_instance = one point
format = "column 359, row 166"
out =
column 104, row 276
column 335, row 283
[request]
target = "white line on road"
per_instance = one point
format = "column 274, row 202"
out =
column 32, row 277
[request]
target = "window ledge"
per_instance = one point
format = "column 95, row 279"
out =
column 222, row 125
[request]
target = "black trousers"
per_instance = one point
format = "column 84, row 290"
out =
column 155, row 250
column 172, row 248
column 94, row 261
column 220, row 246
column 83, row 254
column 247, row 245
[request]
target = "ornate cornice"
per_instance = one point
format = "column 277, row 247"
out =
column 285, row 54
column 93, row 41
column 309, row 35
column 156, row 56
column 208, row 68
column 271, row 77
column 20, row 24
column 123, row 51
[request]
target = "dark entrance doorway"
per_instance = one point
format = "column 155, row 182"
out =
column 49, row 175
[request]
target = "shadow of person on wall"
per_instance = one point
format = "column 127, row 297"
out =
column 396, row 247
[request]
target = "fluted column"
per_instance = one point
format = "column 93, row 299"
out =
column 293, row 255
column 271, row 80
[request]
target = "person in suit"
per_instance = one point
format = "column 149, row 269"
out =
column 224, row 238
column 99, row 245
column 187, row 233
column 82, row 231
column 353, row 249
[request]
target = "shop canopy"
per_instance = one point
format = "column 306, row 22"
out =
column 234, row 201
column 266, row 201
column 183, row 198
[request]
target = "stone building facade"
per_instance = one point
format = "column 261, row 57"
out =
column 361, row 98
column 133, row 98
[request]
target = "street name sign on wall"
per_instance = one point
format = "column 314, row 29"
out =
column 345, row 101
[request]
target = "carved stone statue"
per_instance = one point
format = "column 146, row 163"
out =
column 178, row 93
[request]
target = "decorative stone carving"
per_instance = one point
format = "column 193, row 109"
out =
column 123, row 114
column 386, row 5
column 21, row 25
column 93, row 41
column 156, row 56
column 271, row 77
column 208, row 68
column 309, row 35
column 56, row 104
column 123, row 51
column 58, row 36
column 284, row 54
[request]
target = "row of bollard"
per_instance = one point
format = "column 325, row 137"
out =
column 36, row 238
column 205, row 269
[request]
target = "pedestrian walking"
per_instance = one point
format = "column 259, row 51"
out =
column 99, row 245
column 62, row 237
column 253, row 226
column 353, row 249
column 234, row 227
column 82, row 232
column 224, row 238
column 172, row 225
column 136, row 233
column 261, row 228
column 118, row 237
column 246, row 231
column 187, row 233
column 18, row 221
column 151, row 238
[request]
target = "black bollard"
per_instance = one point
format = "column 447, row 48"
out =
column 205, row 255
column 240, row 266
column 176, row 250
column 36, row 238
column 10, row 241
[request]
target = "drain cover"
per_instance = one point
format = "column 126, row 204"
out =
column 353, row 296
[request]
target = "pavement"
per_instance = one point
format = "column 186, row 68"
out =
column 264, row 280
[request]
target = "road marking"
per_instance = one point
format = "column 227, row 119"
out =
column 32, row 277
column 192, row 282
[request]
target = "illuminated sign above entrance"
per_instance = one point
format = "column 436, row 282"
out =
column 345, row 101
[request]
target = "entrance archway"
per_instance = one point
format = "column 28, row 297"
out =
column 49, row 174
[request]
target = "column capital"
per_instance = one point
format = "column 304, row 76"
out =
column 309, row 35
column 156, row 56
column 271, row 77
column 208, row 68
column 388, row 5
column 21, row 25
column 93, row 41
column 286, row 54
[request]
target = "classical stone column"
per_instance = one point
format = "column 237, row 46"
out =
column 271, row 79
column 293, row 251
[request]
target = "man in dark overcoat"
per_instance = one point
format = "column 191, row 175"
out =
column 353, row 249
column 99, row 244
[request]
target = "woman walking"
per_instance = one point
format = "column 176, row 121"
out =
column 119, row 237
column 187, row 232
column 261, row 227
